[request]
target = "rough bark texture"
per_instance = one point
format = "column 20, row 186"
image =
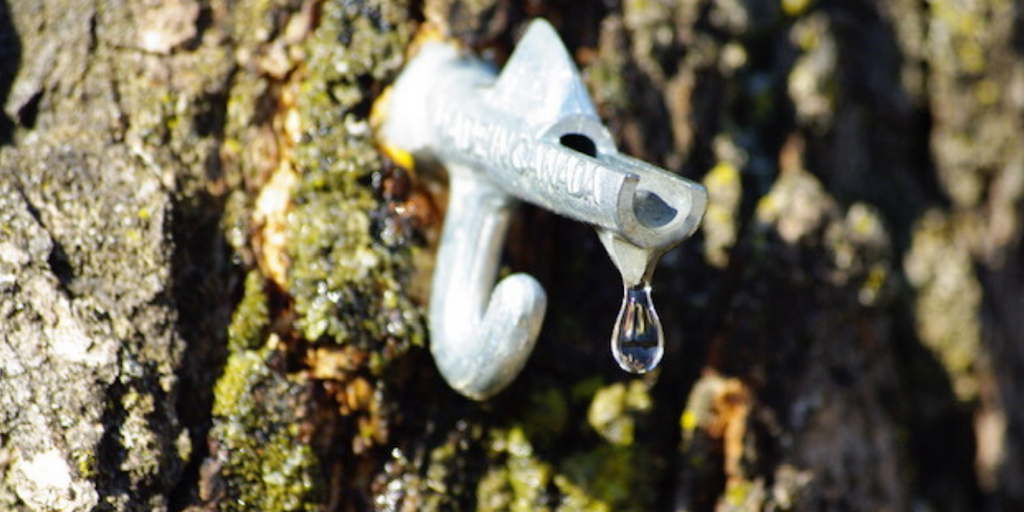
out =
column 211, row 283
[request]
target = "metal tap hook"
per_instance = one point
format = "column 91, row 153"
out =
column 480, row 338
column 530, row 134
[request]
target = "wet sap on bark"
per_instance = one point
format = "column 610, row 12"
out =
column 638, row 341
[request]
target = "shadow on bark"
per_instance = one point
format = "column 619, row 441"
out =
column 206, row 289
column 10, row 61
column 878, row 152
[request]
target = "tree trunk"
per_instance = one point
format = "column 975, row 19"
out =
column 212, row 284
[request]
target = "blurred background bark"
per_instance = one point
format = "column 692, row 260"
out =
column 211, row 283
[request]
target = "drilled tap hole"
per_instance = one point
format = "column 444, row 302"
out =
column 579, row 143
column 652, row 211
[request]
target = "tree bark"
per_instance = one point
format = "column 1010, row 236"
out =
column 212, row 283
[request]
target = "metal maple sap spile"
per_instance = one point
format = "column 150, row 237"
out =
column 529, row 134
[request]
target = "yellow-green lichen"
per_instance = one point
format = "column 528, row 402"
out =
column 796, row 7
column 796, row 206
column 720, row 221
column 966, row 48
column 940, row 269
column 250, row 318
column 652, row 30
column 267, row 466
column 744, row 495
column 612, row 411
column 445, row 481
column 519, row 483
column 859, row 246
column 812, row 82
column 595, row 476
column 86, row 463
column 342, row 269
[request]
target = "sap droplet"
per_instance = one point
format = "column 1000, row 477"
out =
column 638, row 341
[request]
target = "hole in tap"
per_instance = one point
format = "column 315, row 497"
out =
column 652, row 211
column 579, row 143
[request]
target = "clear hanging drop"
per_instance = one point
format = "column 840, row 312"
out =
column 638, row 341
